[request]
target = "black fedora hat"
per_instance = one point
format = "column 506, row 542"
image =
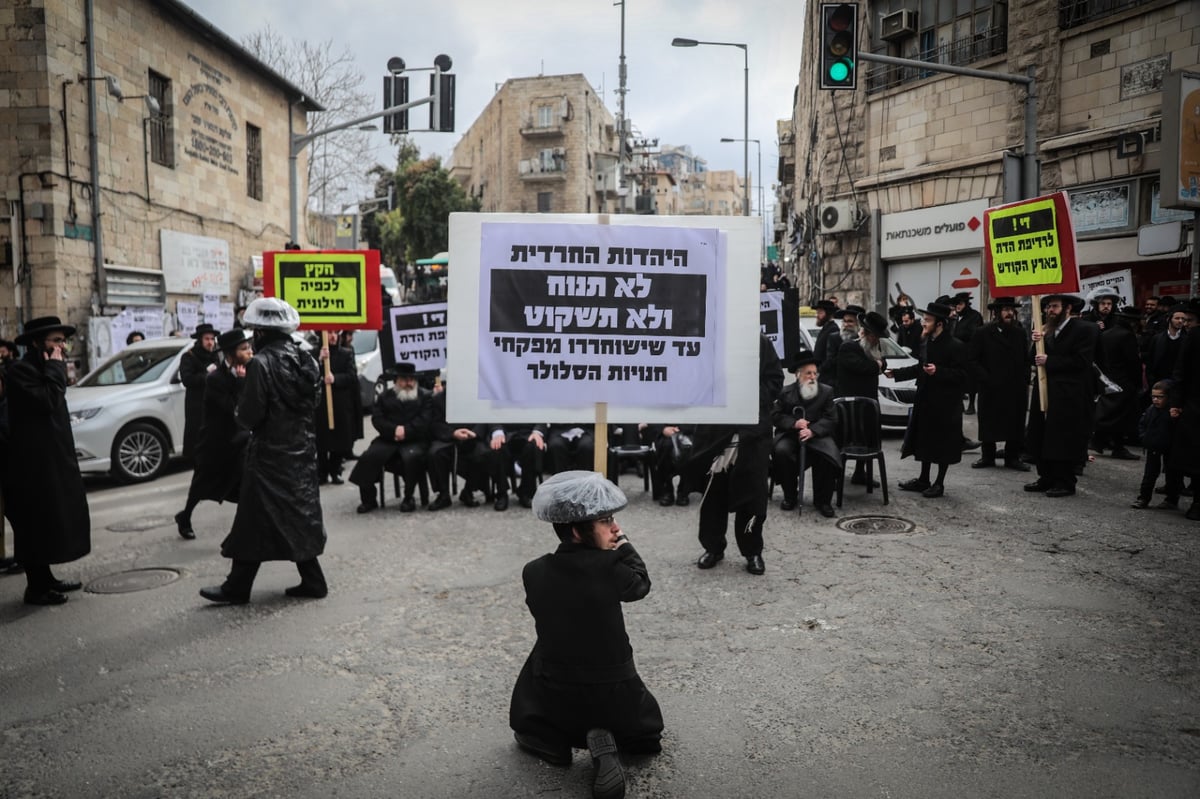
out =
column 801, row 359
column 230, row 340
column 1074, row 300
column 938, row 311
column 874, row 323
column 203, row 328
column 852, row 310
column 42, row 325
column 1002, row 302
column 828, row 306
column 403, row 369
column 962, row 296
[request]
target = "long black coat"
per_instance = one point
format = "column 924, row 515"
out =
column 1062, row 432
column 1117, row 356
column 581, row 673
column 935, row 428
column 1000, row 362
column 821, row 420
column 857, row 372
column 193, row 369
column 279, row 511
column 1185, row 394
column 825, row 350
column 44, row 496
column 221, row 445
column 347, row 405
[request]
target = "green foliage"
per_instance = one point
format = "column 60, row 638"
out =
column 427, row 195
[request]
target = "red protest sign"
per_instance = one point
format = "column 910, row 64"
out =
column 330, row 289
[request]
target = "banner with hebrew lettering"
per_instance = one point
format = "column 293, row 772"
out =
column 419, row 335
column 330, row 289
column 579, row 314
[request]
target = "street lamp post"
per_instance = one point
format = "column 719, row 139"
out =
column 681, row 42
column 759, row 178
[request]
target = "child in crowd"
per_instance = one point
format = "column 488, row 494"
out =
column 1157, row 429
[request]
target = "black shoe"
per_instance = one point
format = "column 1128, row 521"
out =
column 934, row 491
column 666, row 500
column 915, row 484
column 47, row 597
column 501, row 502
column 408, row 505
column 1123, row 454
column 789, row 503
column 336, row 479
column 682, row 500
column 970, row 443
column 826, row 511
column 983, row 463
column 367, row 507
column 755, row 565
column 216, row 593
column 1016, row 466
column 709, row 559
column 440, row 502
column 861, row 480
column 1059, row 491
column 609, row 781
column 467, row 498
column 1140, row 504
column 526, row 502
column 1037, row 485
column 184, row 525
column 303, row 591
column 63, row 586
column 970, row 411
column 554, row 755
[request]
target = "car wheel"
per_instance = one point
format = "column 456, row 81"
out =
column 139, row 453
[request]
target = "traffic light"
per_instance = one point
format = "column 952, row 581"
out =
column 441, row 110
column 839, row 45
column 395, row 92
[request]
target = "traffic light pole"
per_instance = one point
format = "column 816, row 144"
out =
column 1029, row 167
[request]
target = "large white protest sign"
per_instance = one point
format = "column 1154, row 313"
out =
column 770, row 313
column 652, row 315
column 419, row 335
column 1121, row 280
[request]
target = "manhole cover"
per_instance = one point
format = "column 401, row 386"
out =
column 133, row 580
column 875, row 525
column 141, row 523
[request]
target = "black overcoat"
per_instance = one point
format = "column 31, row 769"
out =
column 221, row 445
column 581, row 673
column 825, row 350
column 347, row 405
column 1000, row 362
column 1062, row 432
column 935, row 427
column 279, row 508
column 193, row 369
column 1117, row 356
column 857, row 372
column 1185, row 394
column 44, row 497
column 821, row 420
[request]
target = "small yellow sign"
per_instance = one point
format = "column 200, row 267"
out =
column 324, row 287
column 1024, row 245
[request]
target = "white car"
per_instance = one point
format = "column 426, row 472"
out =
column 895, row 396
column 127, row 413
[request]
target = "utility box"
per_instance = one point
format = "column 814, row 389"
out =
column 898, row 25
column 837, row 217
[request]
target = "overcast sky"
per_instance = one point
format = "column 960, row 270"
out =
column 678, row 95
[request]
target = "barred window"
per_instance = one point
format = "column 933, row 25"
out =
column 254, row 178
column 162, row 142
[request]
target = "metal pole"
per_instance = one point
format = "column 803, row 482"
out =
column 1195, row 254
column 1029, row 176
column 293, row 211
column 746, row 135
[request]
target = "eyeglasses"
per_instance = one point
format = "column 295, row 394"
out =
column 606, row 520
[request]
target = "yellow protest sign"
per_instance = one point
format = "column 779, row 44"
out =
column 1030, row 247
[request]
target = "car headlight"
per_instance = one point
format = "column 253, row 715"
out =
column 83, row 415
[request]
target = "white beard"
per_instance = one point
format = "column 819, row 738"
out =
column 407, row 394
column 809, row 390
column 849, row 335
column 873, row 351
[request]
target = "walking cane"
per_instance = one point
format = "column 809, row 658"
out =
column 798, row 411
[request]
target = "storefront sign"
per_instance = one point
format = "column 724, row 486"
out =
column 194, row 264
column 1181, row 140
column 926, row 231
column 330, row 289
column 1030, row 247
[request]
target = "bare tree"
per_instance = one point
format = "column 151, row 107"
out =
column 337, row 173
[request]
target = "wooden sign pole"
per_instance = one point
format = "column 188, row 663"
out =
column 328, row 385
column 600, row 437
column 1039, row 348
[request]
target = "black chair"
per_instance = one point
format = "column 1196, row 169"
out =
column 640, row 454
column 859, row 437
column 395, row 468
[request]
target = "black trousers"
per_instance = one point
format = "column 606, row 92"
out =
column 472, row 465
column 785, row 468
column 242, row 574
column 714, row 521
column 38, row 577
column 1058, row 474
column 664, row 471
column 563, row 455
column 408, row 459
column 1155, row 462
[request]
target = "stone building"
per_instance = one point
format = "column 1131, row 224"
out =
column 110, row 202
column 891, row 179
column 543, row 144
column 714, row 192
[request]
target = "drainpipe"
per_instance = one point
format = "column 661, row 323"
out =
column 94, row 158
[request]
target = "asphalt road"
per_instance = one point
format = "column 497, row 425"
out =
column 1008, row 646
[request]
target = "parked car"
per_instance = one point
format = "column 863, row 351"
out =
column 127, row 413
column 895, row 396
column 369, row 361
column 387, row 277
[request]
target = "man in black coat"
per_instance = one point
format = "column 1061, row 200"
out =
column 1184, row 402
column 579, row 686
column 826, row 346
column 279, row 503
column 934, row 434
column 859, row 364
column 335, row 443
column 967, row 322
column 569, row 446
column 522, row 446
column 195, row 365
column 803, row 416
column 1000, row 362
column 402, row 419
column 739, row 486
column 1057, row 438
column 221, row 444
column 1163, row 349
column 1118, row 359
column 44, row 496
column 455, row 449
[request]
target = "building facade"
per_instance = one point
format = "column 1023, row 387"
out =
column 143, row 164
column 890, row 180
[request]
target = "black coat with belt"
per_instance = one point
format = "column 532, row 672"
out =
column 193, row 369
column 935, row 427
column 44, row 496
column 581, row 673
column 279, row 508
column 1062, row 432
column 347, row 405
column 1000, row 363
column 221, row 444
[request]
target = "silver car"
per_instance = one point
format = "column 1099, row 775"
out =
column 127, row 414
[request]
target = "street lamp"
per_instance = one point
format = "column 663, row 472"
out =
column 681, row 42
column 758, row 146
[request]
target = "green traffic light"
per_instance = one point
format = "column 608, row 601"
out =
column 839, row 71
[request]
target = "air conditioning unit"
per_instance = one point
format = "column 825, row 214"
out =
column 898, row 25
column 837, row 217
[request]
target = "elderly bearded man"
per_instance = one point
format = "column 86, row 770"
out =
column 803, row 416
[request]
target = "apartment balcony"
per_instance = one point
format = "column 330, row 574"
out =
column 549, row 165
column 961, row 52
column 530, row 129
